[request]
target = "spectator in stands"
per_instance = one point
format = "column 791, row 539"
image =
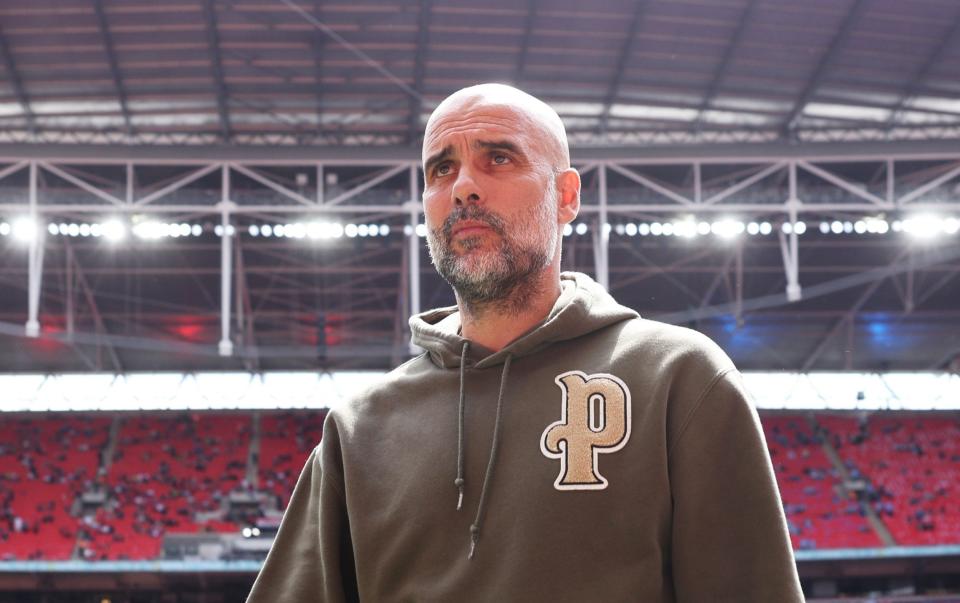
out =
column 550, row 444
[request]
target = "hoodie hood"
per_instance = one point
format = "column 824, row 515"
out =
column 583, row 307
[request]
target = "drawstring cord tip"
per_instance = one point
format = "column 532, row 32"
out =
column 474, row 536
column 459, row 484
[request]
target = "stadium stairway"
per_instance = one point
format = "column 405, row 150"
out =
column 870, row 515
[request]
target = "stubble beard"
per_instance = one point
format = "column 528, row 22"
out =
column 503, row 279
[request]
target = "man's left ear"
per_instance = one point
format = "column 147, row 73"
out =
column 568, row 185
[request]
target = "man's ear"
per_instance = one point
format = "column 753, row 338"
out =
column 568, row 186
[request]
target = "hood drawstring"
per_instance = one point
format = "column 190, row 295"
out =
column 459, row 481
column 494, row 446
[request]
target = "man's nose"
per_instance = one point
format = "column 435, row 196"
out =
column 466, row 189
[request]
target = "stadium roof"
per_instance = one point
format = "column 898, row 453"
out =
column 844, row 114
column 368, row 72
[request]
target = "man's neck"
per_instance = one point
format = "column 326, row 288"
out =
column 495, row 325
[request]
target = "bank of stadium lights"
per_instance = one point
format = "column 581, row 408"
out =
column 318, row 230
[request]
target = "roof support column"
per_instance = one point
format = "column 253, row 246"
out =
column 601, row 236
column 789, row 243
column 413, row 255
column 226, row 265
column 34, row 260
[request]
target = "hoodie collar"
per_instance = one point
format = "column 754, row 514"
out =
column 582, row 307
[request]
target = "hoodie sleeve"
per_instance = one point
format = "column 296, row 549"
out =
column 729, row 534
column 312, row 557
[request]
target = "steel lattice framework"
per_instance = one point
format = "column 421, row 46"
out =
column 777, row 184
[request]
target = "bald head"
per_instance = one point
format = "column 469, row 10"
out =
column 529, row 113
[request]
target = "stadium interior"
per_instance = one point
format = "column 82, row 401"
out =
column 201, row 189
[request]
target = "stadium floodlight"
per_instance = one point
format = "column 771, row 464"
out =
column 643, row 229
column 924, row 226
column 656, row 229
column 765, row 228
column 951, row 226
column 800, row 228
column 384, row 230
column 630, row 229
column 824, row 227
column 4, row 229
column 114, row 230
column 196, row 230
column 581, row 228
column 703, row 228
column 668, row 229
column 685, row 228
column 753, row 228
column 567, row 230
column 254, row 230
column 787, row 227
column 836, row 227
column 25, row 229
column 728, row 228
column 421, row 230
column 860, row 227
column 363, row 230
column 52, row 229
column 352, row 231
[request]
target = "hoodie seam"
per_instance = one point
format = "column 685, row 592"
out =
column 696, row 407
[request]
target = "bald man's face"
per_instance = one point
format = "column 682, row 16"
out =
column 490, row 198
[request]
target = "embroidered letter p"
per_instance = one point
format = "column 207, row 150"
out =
column 595, row 418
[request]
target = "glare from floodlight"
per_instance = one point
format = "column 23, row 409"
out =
column 619, row 229
column 703, row 228
column 753, row 228
column 951, row 226
column 685, row 228
column 196, row 230
column 114, row 230
column 351, row 230
column 299, row 230
column 824, row 227
column 96, row 229
column 384, row 230
column 25, row 230
column 4, row 229
column 923, row 226
column 800, row 228
column 581, row 228
column 630, row 229
column 336, row 230
column 786, row 227
column 266, row 230
column 254, row 230
column 848, row 227
column 836, row 227
column 668, row 229
column 860, row 227
column 656, row 229
column 728, row 228
column 567, row 230
column 84, row 230
column 363, row 230
column 643, row 229
column 765, row 228
column 52, row 229
column 278, row 230
column 62, row 228
column 421, row 230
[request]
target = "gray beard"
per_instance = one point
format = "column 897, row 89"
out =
column 504, row 284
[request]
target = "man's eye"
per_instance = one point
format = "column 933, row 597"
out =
column 501, row 159
column 443, row 169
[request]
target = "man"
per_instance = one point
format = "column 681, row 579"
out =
column 549, row 445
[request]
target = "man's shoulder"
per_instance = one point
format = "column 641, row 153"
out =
column 670, row 345
column 383, row 392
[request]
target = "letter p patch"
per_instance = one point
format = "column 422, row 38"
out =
column 595, row 418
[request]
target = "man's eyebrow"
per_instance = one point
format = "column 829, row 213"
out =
column 500, row 145
column 437, row 158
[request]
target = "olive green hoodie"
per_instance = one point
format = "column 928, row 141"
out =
column 598, row 457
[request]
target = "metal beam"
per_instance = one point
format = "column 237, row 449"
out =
column 525, row 41
column 220, row 87
column 846, row 318
column 419, row 67
column 721, row 69
column 13, row 76
column 107, row 38
column 813, row 82
column 621, row 65
column 99, row 324
column 937, row 53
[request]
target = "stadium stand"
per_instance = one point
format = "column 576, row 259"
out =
column 911, row 464
column 113, row 487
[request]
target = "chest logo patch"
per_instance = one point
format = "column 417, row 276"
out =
column 594, row 419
